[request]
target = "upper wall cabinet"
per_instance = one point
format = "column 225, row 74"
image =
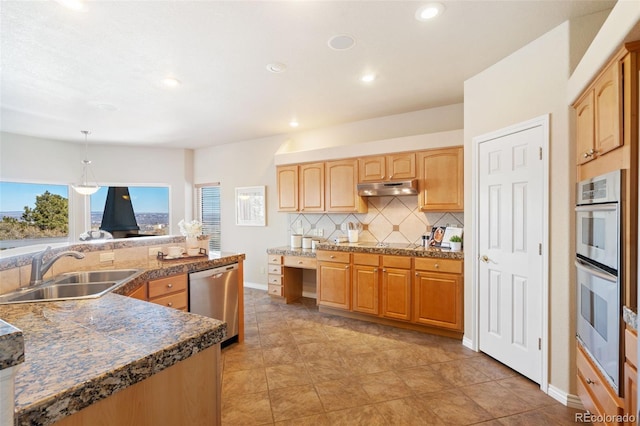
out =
column 312, row 187
column 341, row 193
column 287, row 177
column 387, row 167
column 599, row 115
column 441, row 174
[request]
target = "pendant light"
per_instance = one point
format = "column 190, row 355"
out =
column 84, row 187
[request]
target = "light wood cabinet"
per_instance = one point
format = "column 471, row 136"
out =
column 438, row 293
column 169, row 291
column 387, row 167
column 396, row 287
column 334, row 279
column 140, row 293
column 274, row 277
column 441, row 179
column 341, row 194
column 287, row 178
column 631, row 375
column 599, row 115
column 594, row 392
column 312, row 190
column 366, row 283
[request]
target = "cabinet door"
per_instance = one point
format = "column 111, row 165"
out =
column 585, row 128
column 372, row 169
column 441, row 180
column 438, row 300
column 312, row 187
column 140, row 293
column 608, row 110
column 365, row 289
column 396, row 293
column 401, row 166
column 287, row 188
column 630, row 391
column 334, row 285
column 341, row 187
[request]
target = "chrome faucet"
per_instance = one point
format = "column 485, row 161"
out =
column 39, row 267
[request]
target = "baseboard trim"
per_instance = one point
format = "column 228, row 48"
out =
column 256, row 286
column 567, row 399
column 467, row 343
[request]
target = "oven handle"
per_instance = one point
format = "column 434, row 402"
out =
column 598, row 273
column 597, row 207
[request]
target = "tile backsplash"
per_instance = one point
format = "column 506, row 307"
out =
column 389, row 220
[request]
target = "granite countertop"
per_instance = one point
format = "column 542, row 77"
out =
column 630, row 318
column 366, row 247
column 77, row 352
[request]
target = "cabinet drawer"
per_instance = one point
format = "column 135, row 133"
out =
column 300, row 262
column 275, row 269
column 275, row 290
column 275, row 279
column 275, row 259
column 402, row 262
column 366, row 259
column 333, row 256
column 438, row 265
column 631, row 347
column 167, row 285
column 598, row 391
column 176, row 300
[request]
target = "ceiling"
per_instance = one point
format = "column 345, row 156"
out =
column 102, row 68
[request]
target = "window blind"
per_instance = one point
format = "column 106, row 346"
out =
column 209, row 200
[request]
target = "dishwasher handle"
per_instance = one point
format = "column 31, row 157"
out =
column 214, row 272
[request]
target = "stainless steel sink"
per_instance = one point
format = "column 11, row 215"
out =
column 73, row 285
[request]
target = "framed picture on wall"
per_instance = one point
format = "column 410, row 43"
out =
column 250, row 206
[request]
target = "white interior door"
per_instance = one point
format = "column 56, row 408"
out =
column 509, row 237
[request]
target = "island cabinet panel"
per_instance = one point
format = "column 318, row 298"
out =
column 341, row 192
column 441, row 179
column 312, row 190
column 287, row 178
column 187, row 393
column 334, row 279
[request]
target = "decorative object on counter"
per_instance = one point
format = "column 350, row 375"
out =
column 84, row 187
column 314, row 244
column 296, row 241
column 203, row 243
column 441, row 235
column 175, row 251
column 306, row 242
column 455, row 243
column 250, row 206
column 184, row 256
column 95, row 235
column 191, row 230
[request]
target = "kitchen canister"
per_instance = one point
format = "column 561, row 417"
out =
column 314, row 244
column 296, row 241
column 306, row 242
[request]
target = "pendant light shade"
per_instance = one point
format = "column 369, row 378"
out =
column 85, row 187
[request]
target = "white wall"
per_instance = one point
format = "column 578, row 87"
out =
column 252, row 163
column 29, row 159
column 529, row 83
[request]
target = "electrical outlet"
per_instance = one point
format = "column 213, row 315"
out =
column 107, row 257
column 319, row 232
column 153, row 251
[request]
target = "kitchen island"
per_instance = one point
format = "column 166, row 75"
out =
column 119, row 360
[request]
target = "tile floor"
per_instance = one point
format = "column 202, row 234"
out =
column 298, row 366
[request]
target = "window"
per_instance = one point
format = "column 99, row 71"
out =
column 209, row 212
column 33, row 214
column 150, row 206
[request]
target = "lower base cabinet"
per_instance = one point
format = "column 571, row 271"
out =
column 334, row 279
column 169, row 291
column 396, row 287
column 631, row 376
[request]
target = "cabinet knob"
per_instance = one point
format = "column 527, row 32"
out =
column 417, row 274
column 375, row 269
column 346, row 267
column 590, row 382
column 169, row 285
column 384, row 270
column 299, row 262
column 436, row 265
column 170, row 304
column 332, row 257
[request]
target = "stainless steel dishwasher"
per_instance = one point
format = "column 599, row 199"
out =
column 214, row 293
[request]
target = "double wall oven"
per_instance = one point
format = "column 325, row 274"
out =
column 598, row 254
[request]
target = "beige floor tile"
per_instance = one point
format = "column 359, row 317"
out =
column 317, row 420
column 325, row 369
column 460, row 373
column 294, row 402
column 340, row 394
column 281, row 355
column 246, row 409
column 526, row 390
column 408, row 412
column 245, row 360
column 243, row 381
column 304, row 335
column 384, row 386
column 282, row 376
column 491, row 368
column 423, row 379
column 453, row 407
column 279, row 338
column 318, row 350
column 358, row 416
column 496, row 400
column 367, row 363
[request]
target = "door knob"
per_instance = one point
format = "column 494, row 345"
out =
column 485, row 258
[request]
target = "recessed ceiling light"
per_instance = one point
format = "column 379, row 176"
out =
column 429, row 11
column 77, row 5
column 276, row 67
column 341, row 42
column 294, row 123
column 368, row 78
column 171, row 82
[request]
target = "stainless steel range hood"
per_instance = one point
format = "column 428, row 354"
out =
column 378, row 189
